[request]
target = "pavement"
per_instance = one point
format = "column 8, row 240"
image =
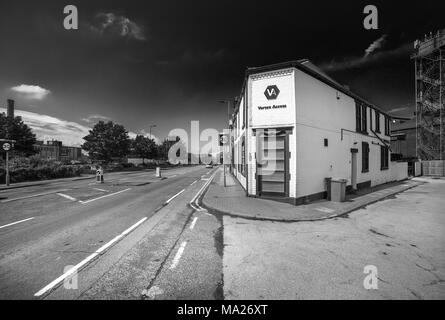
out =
column 402, row 236
column 232, row 200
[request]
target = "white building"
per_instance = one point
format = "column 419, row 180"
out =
column 322, row 131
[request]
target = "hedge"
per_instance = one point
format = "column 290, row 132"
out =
column 41, row 173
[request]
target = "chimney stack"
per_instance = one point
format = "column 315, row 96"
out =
column 10, row 112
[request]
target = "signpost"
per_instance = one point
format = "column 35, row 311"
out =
column 223, row 141
column 7, row 146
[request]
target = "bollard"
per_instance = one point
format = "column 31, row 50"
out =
column 158, row 172
column 100, row 175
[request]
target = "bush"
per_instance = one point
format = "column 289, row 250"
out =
column 33, row 168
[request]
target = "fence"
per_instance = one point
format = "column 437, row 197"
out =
column 433, row 168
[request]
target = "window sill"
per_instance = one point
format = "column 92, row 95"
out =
column 382, row 169
column 365, row 171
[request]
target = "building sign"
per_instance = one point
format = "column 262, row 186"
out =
column 275, row 106
column 273, row 99
column 272, row 92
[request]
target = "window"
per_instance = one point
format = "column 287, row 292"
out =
column 365, row 157
column 387, row 130
column 377, row 121
column 370, row 119
column 358, row 117
column 361, row 118
column 243, row 156
column 383, row 158
column 364, row 119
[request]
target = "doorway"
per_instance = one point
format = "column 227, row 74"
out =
column 273, row 163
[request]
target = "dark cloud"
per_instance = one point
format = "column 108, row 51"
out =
column 116, row 25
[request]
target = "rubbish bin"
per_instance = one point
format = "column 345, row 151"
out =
column 338, row 190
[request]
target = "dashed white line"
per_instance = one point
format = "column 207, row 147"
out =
column 175, row 196
column 13, row 223
column 192, row 225
column 78, row 266
column 178, row 255
column 66, row 196
column 193, row 182
column 107, row 195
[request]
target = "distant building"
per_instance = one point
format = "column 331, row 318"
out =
column 55, row 150
column 10, row 109
column 403, row 139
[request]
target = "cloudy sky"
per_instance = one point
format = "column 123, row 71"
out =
column 168, row 62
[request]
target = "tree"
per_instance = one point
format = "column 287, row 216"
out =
column 106, row 141
column 144, row 147
column 16, row 129
column 165, row 147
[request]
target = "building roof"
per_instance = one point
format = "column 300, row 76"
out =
column 404, row 125
column 308, row 67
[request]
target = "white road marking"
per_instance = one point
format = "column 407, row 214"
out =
column 193, row 182
column 107, row 195
column 192, row 225
column 103, row 190
column 175, row 196
column 172, row 176
column 33, row 196
column 13, row 223
column 66, row 196
column 178, row 255
column 196, row 206
column 78, row 266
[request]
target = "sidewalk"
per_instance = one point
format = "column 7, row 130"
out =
column 232, row 200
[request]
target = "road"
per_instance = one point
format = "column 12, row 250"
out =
column 46, row 229
column 160, row 244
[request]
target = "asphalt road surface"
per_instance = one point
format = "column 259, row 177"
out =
column 46, row 229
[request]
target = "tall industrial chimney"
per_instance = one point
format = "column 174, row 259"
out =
column 10, row 113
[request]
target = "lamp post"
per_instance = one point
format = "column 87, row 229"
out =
column 151, row 126
column 228, row 118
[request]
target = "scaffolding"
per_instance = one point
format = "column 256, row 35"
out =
column 429, row 61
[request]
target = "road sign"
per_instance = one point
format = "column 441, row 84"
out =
column 223, row 139
column 6, row 146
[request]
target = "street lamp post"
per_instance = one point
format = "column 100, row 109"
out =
column 228, row 118
column 151, row 126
